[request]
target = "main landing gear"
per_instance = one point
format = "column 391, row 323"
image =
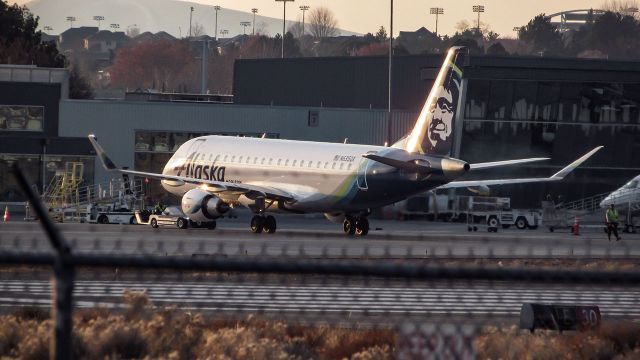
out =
column 260, row 223
column 355, row 226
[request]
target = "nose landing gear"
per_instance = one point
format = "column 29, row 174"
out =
column 356, row 226
column 260, row 223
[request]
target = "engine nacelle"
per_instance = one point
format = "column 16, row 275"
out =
column 200, row 206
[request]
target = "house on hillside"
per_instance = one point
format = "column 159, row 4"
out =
column 419, row 41
column 149, row 36
column 72, row 40
column 105, row 41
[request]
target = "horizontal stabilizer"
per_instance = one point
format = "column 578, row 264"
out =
column 399, row 164
column 493, row 164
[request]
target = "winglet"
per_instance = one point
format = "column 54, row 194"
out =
column 569, row 168
column 106, row 161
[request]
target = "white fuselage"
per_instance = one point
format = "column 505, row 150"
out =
column 625, row 196
column 321, row 175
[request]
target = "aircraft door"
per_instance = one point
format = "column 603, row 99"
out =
column 362, row 173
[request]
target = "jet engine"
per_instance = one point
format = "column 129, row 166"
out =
column 200, row 206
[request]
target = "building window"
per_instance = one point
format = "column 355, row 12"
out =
column 21, row 118
column 524, row 100
column 477, row 98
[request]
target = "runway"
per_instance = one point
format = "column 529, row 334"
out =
column 480, row 301
column 316, row 237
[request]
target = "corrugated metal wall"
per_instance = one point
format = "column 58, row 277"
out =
column 115, row 123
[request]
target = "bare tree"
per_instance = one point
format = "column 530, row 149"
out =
column 624, row 7
column 133, row 31
column 296, row 29
column 322, row 23
column 197, row 30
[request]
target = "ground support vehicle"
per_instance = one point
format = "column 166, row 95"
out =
column 171, row 216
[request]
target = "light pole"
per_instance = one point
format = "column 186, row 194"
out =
column 478, row 9
column 190, row 19
column 71, row 19
column 215, row 31
column 98, row 18
column 304, row 9
column 254, row 11
column 437, row 11
column 244, row 25
column 115, row 26
column 224, row 33
column 388, row 141
column 284, row 21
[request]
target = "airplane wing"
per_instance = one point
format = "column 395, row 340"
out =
column 555, row 177
column 207, row 185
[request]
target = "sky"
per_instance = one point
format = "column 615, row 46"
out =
column 364, row 16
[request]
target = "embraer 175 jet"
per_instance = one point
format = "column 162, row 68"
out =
column 343, row 181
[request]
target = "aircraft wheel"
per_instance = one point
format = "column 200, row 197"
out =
column 362, row 226
column 493, row 222
column 103, row 219
column 211, row 225
column 257, row 224
column 132, row 220
column 349, row 226
column 269, row 225
column 154, row 223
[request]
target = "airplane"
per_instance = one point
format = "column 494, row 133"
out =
column 627, row 200
column 343, row 181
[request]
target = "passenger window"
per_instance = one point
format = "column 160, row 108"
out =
column 217, row 158
column 333, row 166
column 262, row 162
column 226, row 157
column 310, row 163
column 233, row 158
column 286, row 163
column 349, row 167
column 210, row 156
column 279, row 162
column 341, row 166
column 255, row 160
column 270, row 161
column 294, row 162
column 326, row 164
column 301, row 163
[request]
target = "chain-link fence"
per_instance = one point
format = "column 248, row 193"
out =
column 126, row 291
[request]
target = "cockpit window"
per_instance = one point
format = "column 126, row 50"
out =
column 631, row 184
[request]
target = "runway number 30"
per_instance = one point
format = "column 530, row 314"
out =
column 590, row 317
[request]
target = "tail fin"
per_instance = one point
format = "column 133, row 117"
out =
column 433, row 131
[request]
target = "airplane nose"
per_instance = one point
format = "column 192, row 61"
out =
column 454, row 168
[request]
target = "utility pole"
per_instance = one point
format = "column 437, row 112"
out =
column 71, row 19
column 284, row 21
column 437, row 11
column 304, row 9
column 215, row 32
column 244, row 25
column 478, row 9
column 190, row 20
column 98, row 18
column 254, row 11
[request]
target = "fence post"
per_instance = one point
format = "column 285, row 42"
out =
column 63, row 275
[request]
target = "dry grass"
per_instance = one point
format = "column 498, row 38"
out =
column 619, row 340
column 144, row 332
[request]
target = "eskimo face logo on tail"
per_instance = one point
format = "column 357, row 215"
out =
column 441, row 126
column 198, row 171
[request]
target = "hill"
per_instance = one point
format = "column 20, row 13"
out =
column 171, row 16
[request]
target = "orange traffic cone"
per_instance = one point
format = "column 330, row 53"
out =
column 6, row 214
column 575, row 229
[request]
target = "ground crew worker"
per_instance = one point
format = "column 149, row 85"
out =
column 160, row 208
column 612, row 218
